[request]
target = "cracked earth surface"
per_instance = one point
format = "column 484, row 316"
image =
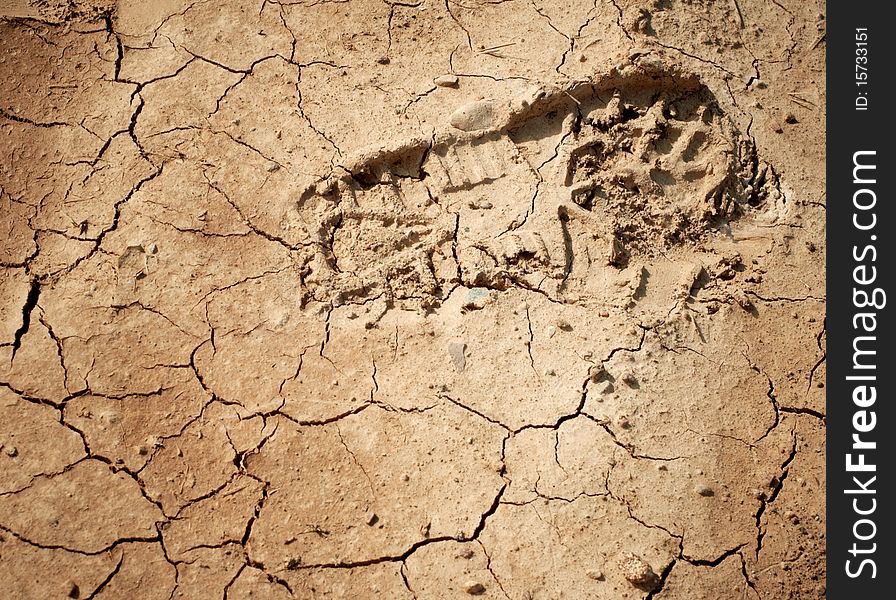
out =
column 515, row 299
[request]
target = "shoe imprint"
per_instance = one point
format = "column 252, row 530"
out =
column 537, row 192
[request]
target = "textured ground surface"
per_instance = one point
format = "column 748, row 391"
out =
column 313, row 299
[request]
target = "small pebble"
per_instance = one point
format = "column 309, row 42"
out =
column 383, row 60
column 595, row 574
column 371, row 518
column 12, row 451
column 73, row 590
column 563, row 324
column 152, row 248
column 743, row 300
column 703, row 490
column 790, row 118
column 474, row 588
column 636, row 570
column 596, row 373
column 447, row 81
column 271, row 166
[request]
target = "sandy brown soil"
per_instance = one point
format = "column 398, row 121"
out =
column 507, row 299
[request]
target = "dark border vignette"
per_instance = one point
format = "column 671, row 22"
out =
column 860, row 275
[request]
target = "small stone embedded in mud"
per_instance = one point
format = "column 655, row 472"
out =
column 636, row 570
column 596, row 373
column 466, row 553
column 476, row 299
column 563, row 324
column 639, row 20
column 474, row 588
column 271, row 166
column 446, row 81
column 458, row 358
column 595, row 574
column 383, row 60
column 743, row 300
column 73, row 590
column 480, row 204
column 790, row 118
column 371, row 518
column 473, row 116
column 704, row 490
column 11, row 451
column 629, row 379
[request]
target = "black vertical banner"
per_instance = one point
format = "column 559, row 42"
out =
column 861, row 269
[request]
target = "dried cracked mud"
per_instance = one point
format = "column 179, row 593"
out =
column 515, row 299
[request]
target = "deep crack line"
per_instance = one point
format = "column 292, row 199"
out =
column 461, row 537
column 99, row 588
column 785, row 471
column 30, row 303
